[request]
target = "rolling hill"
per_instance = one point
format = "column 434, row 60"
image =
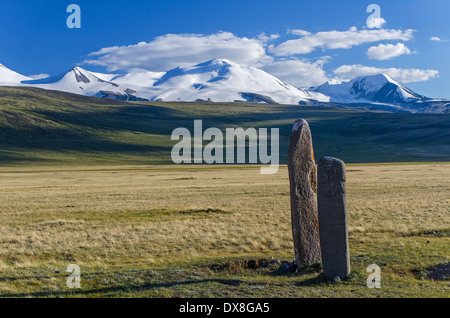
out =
column 43, row 127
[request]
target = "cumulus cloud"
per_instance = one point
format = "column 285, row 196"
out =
column 375, row 22
column 267, row 38
column 300, row 73
column 384, row 52
column 298, row 32
column 437, row 39
column 171, row 50
column 39, row 76
column 309, row 42
column 402, row 75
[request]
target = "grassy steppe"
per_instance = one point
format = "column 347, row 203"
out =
column 82, row 181
column 164, row 231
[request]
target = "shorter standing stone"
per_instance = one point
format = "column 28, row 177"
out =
column 331, row 199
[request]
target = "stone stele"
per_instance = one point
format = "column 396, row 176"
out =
column 331, row 197
column 303, row 182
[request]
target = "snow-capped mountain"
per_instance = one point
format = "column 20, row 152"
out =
column 378, row 88
column 9, row 77
column 83, row 82
column 383, row 93
column 217, row 81
column 222, row 80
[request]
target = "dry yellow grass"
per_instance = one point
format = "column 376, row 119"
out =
column 128, row 215
column 120, row 224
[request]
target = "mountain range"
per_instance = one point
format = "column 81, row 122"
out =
column 222, row 80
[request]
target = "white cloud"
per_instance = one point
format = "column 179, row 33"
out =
column 168, row 51
column 375, row 22
column 309, row 42
column 402, row 75
column 39, row 76
column 300, row 73
column 171, row 50
column 298, row 32
column 267, row 38
column 438, row 39
column 384, row 52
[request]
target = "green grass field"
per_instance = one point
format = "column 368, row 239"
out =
column 40, row 127
column 89, row 181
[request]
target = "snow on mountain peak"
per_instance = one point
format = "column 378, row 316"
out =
column 77, row 80
column 380, row 88
column 10, row 78
column 373, row 82
column 216, row 62
column 333, row 82
column 222, row 80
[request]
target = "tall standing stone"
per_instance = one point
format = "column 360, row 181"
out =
column 331, row 197
column 303, row 181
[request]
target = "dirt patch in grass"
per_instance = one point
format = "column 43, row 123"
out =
column 441, row 272
column 271, row 266
column 253, row 264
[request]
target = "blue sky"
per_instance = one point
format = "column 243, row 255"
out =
column 302, row 42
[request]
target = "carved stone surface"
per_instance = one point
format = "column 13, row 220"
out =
column 331, row 197
column 303, row 182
